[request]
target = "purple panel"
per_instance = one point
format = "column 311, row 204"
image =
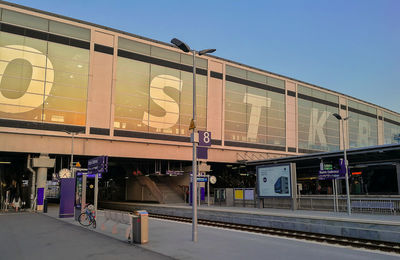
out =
column 342, row 167
column 190, row 193
column 202, row 194
column 67, row 198
column 88, row 174
column 204, row 138
column 202, row 153
column 328, row 174
column 98, row 164
column 249, row 194
column 40, row 196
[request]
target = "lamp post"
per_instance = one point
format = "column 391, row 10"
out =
column 340, row 118
column 194, row 136
column 71, row 167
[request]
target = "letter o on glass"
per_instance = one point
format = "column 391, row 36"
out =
column 42, row 70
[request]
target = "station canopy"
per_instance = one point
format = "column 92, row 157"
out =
column 357, row 157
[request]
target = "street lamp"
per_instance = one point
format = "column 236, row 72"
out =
column 340, row 118
column 72, row 150
column 185, row 48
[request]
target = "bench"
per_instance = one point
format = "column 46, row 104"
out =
column 386, row 205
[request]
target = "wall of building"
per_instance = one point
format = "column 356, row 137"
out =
column 132, row 97
column 137, row 192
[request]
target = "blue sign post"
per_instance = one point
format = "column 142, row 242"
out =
column 204, row 138
column 204, row 143
column 98, row 165
column 333, row 174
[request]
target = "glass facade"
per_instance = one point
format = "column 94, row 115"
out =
column 391, row 128
column 155, row 98
column 363, row 125
column 44, row 77
column 318, row 130
column 42, row 80
column 254, row 115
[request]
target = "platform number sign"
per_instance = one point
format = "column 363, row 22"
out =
column 204, row 138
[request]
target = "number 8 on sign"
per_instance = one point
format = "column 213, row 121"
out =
column 204, row 138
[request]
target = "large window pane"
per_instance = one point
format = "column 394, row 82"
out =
column 42, row 81
column 254, row 115
column 157, row 99
column 318, row 130
column 69, row 30
column 363, row 129
column 133, row 46
column 25, row 20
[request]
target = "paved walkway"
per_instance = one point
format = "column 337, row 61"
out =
column 174, row 239
column 34, row 236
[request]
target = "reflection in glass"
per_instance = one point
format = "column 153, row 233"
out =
column 363, row 130
column 42, row 81
column 157, row 99
column 254, row 115
column 318, row 130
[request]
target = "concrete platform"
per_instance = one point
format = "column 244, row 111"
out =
column 364, row 226
column 173, row 239
column 32, row 236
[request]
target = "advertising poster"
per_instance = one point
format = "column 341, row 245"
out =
column 274, row 181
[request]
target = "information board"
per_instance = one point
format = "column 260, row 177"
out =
column 274, row 181
column 98, row 165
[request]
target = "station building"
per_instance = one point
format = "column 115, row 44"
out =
column 66, row 82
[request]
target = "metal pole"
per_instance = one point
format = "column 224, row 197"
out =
column 346, row 169
column 96, row 191
column 334, row 195
column 84, row 183
column 208, row 190
column 72, row 153
column 194, row 163
column 198, row 193
column 337, row 195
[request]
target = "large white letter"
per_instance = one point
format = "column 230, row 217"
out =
column 316, row 126
column 33, row 97
column 159, row 97
column 257, row 102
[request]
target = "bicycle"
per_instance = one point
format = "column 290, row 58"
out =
column 88, row 218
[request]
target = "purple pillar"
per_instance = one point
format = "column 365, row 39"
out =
column 67, row 198
column 40, row 196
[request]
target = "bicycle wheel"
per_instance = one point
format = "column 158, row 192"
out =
column 84, row 219
column 94, row 223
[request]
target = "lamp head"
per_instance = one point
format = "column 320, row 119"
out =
column 202, row 52
column 181, row 45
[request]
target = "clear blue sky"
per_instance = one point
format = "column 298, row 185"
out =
column 349, row 46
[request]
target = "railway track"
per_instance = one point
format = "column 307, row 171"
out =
column 321, row 238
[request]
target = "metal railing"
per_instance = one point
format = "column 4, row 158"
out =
column 244, row 197
column 369, row 204
column 359, row 204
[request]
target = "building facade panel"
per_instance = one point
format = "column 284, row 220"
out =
column 99, row 102
column 215, row 102
column 363, row 125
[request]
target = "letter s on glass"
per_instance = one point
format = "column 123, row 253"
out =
column 159, row 97
column 33, row 97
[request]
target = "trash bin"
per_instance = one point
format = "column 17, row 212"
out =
column 140, row 227
column 45, row 206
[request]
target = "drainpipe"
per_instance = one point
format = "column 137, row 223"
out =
column 33, row 184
